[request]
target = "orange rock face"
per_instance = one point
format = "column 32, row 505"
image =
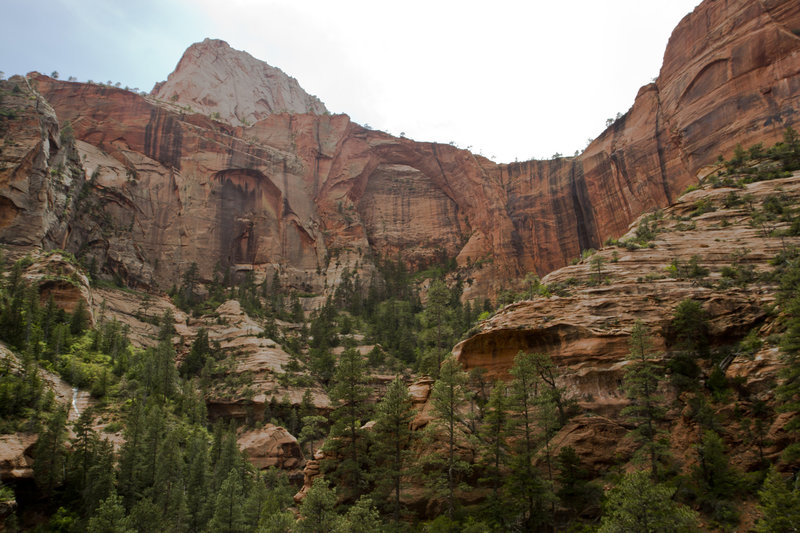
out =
column 586, row 330
column 311, row 194
column 271, row 446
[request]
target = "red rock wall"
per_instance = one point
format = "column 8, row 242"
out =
column 305, row 192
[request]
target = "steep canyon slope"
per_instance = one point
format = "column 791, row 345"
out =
column 254, row 174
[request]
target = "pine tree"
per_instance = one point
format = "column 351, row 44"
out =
column 688, row 336
column 145, row 517
column 131, row 454
column 196, row 358
column 316, row 510
column 197, row 488
column 392, row 436
column 638, row 505
column 555, row 393
column 576, row 492
column 80, row 319
column 596, row 262
column 110, row 517
column 348, row 396
column 788, row 391
column 279, row 522
column 228, row 457
column 531, row 494
column 313, row 430
column 158, row 370
column 83, row 451
column 437, row 330
column 641, row 381
column 779, row 504
column 494, row 437
column 154, row 434
column 100, row 479
column 448, row 397
column 170, row 483
column 50, row 452
column 716, row 482
column 253, row 505
column 228, row 516
column 188, row 297
column 362, row 517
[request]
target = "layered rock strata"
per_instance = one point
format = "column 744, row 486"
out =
column 586, row 330
column 308, row 195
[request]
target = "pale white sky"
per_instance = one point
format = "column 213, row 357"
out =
column 510, row 79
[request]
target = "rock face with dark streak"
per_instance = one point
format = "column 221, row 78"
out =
column 311, row 194
column 586, row 330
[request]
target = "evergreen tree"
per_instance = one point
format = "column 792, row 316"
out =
column 529, row 491
column 394, row 327
column 392, row 436
column 196, row 358
column 362, row 517
column 313, row 430
column 228, row 516
column 170, row 483
column 187, row 297
column 132, row 453
column 280, row 494
column 110, row 517
column 576, row 492
column 197, row 487
column 297, row 313
column 788, row 391
column 494, row 437
column 257, row 497
column 716, row 482
column 688, row 336
column 83, row 447
column 227, row 457
column 279, row 522
column 80, row 319
column 641, row 381
column 100, row 479
column 596, row 262
column 154, row 434
column 552, row 391
column 779, row 504
column 638, row 505
column 316, row 510
column 348, row 396
column 448, row 397
column 145, row 517
column 437, row 331
column 158, row 370
column 754, row 430
column 50, row 452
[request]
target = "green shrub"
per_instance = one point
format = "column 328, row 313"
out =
column 701, row 206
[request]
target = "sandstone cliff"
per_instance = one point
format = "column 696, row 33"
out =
column 310, row 194
column 585, row 330
column 235, row 87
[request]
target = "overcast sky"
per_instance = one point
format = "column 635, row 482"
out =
column 510, row 79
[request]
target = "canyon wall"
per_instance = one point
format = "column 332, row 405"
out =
column 276, row 184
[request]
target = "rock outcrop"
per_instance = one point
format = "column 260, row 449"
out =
column 16, row 455
column 586, row 329
column 214, row 79
column 38, row 176
column 272, row 446
column 309, row 194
